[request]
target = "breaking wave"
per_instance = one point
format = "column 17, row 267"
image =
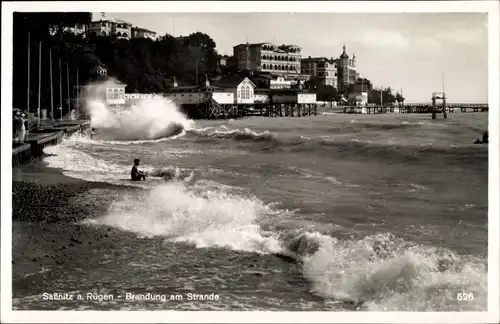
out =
column 147, row 120
column 384, row 273
column 390, row 151
column 377, row 272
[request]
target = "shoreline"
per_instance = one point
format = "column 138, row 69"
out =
column 46, row 212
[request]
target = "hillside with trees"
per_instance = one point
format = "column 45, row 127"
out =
column 145, row 65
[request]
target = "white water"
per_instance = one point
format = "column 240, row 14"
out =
column 80, row 165
column 386, row 273
column 203, row 216
column 146, row 120
column 149, row 119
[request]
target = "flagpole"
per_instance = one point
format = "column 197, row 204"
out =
column 51, row 89
column 60, row 90
column 442, row 82
column 381, row 102
column 77, row 95
column 196, row 71
column 29, row 68
column 67, row 82
column 39, row 79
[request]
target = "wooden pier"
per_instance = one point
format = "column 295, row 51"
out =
column 413, row 109
column 450, row 107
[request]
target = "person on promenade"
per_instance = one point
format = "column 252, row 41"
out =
column 17, row 127
column 135, row 174
column 27, row 125
column 22, row 128
column 14, row 129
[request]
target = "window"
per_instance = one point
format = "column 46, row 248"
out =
column 245, row 92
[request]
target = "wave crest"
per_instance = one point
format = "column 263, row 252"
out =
column 147, row 120
column 382, row 272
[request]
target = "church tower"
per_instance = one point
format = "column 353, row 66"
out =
column 343, row 80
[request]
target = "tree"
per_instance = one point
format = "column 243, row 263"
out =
column 327, row 93
column 374, row 96
column 399, row 98
column 313, row 83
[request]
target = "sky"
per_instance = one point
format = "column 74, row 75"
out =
column 414, row 52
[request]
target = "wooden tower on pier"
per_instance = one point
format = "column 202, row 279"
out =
column 435, row 97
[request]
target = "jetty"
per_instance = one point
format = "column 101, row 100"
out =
column 45, row 135
column 412, row 108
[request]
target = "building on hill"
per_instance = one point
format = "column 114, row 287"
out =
column 77, row 29
column 267, row 57
column 322, row 68
column 223, row 60
column 138, row 32
column 108, row 27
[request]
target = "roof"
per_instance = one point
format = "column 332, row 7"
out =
column 278, row 91
column 143, row 30
column 193, row 88
column 344, row 54
column 120, row 21
column 263, row 76
column 254, row 44
column 318, row 59
column 232, row 81
column 283, row 48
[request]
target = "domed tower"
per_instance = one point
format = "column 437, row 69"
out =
column 343, row 80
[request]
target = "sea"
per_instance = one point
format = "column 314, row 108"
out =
column 334, row 212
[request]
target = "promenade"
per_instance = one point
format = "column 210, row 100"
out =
column 42, row 135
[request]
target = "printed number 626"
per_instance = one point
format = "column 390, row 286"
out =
column 465, row 296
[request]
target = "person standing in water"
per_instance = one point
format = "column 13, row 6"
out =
column 135, row 174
